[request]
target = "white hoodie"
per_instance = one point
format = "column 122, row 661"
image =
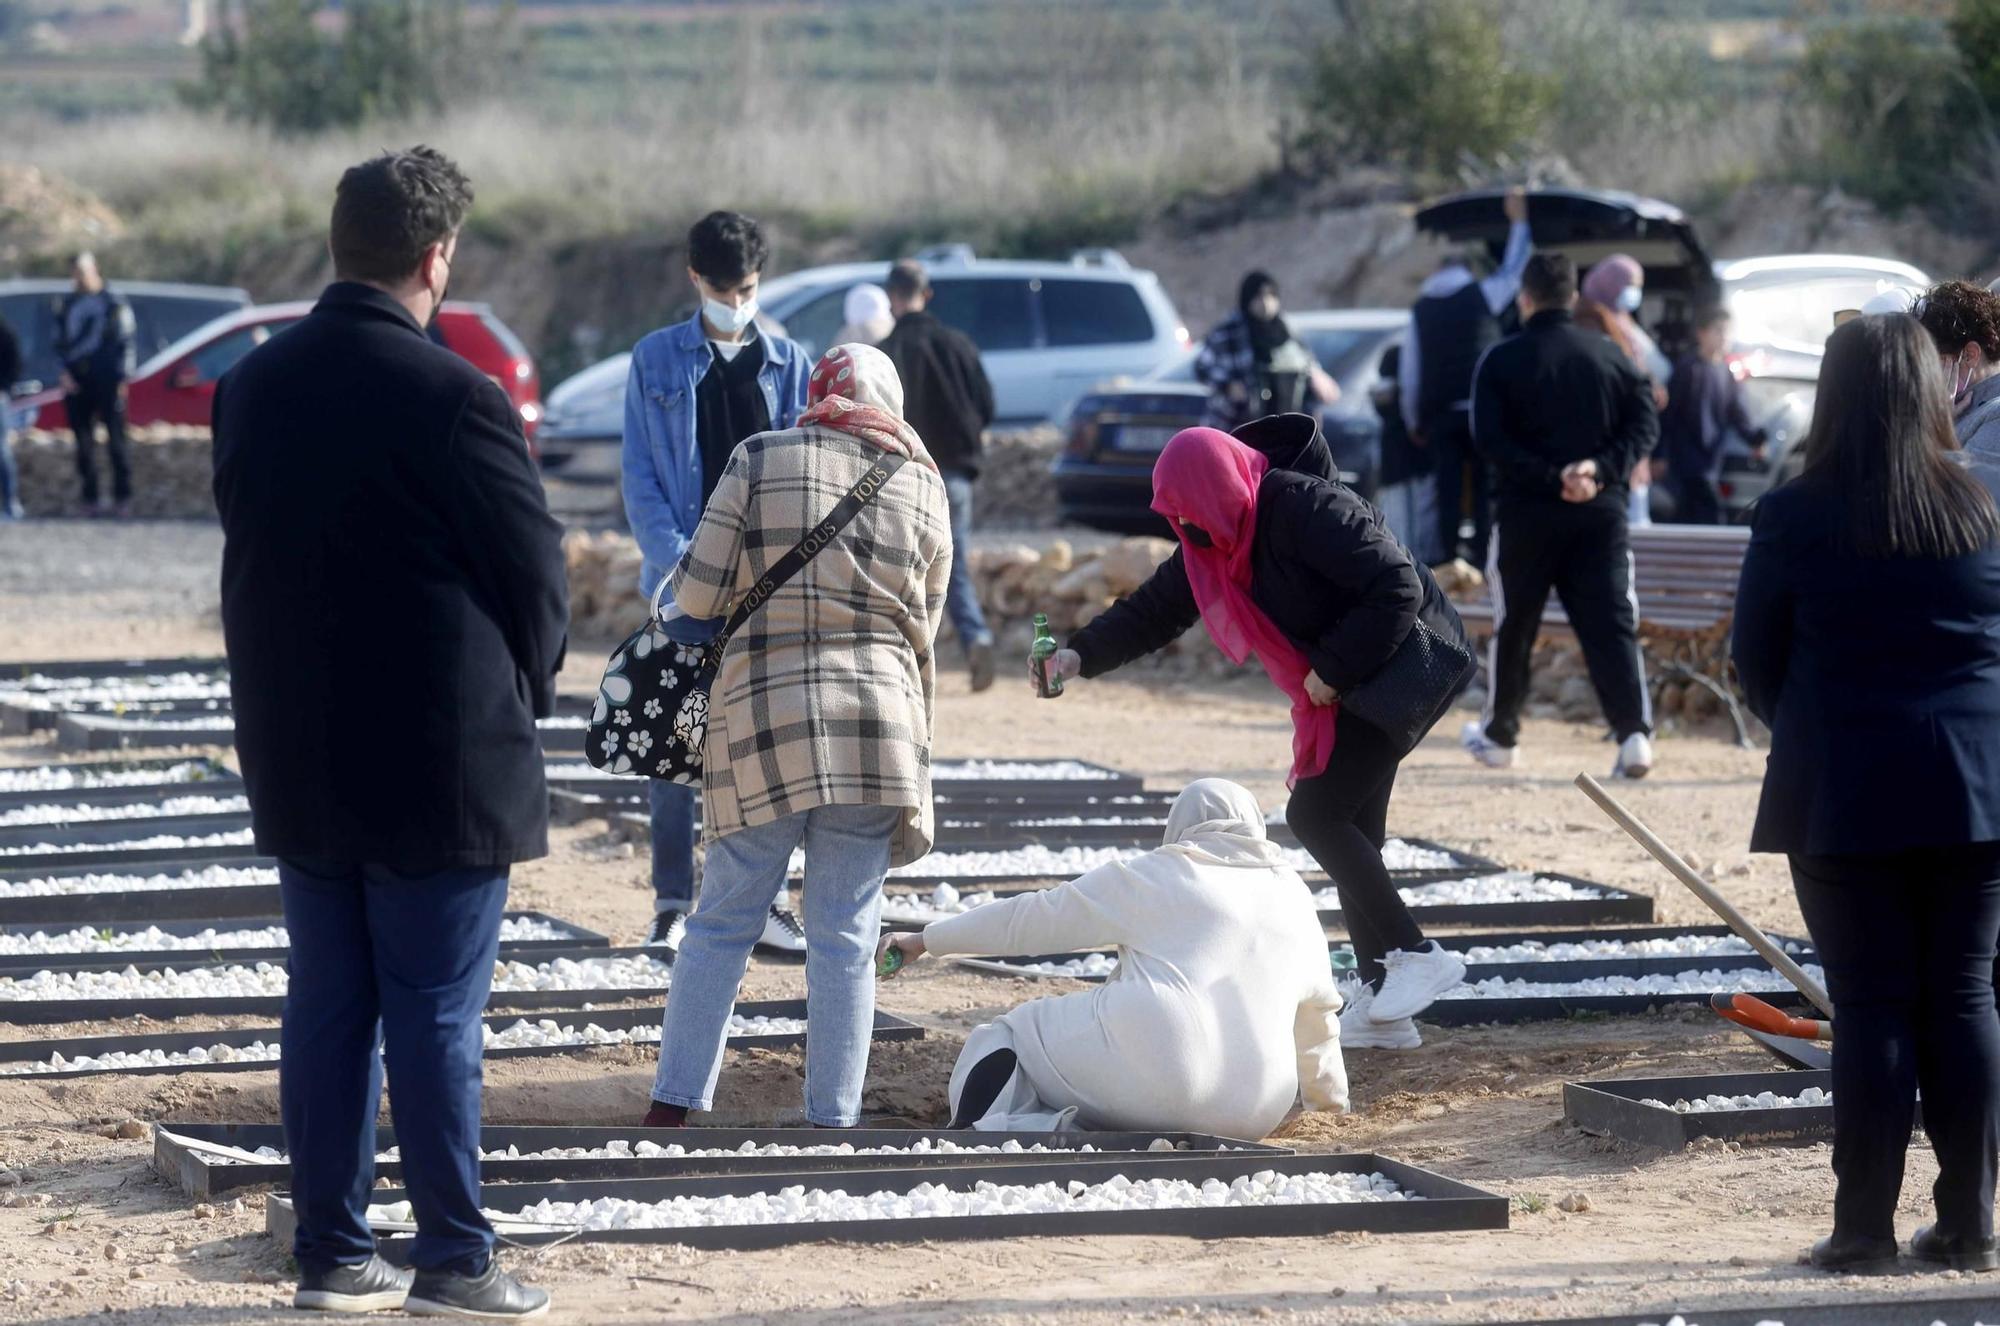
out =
column 1223, row 1008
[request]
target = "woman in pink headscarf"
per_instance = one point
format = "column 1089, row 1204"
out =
column 1280, row 560
column 1609, row 305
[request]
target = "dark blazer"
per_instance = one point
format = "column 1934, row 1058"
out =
column 1553, row 395
column 946, row 395
column 1324, row 568
column 393, row 595
column 1880, row 679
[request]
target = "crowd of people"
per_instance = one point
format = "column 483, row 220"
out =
column 826, row 504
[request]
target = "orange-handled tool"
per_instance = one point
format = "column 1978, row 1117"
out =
column 1749, row 1011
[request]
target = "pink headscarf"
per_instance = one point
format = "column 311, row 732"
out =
column 1209, row 479
column 1610, row 277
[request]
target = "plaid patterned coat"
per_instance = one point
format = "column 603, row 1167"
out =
column 826, row 696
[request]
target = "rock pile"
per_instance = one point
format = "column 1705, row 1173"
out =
column 171, row 472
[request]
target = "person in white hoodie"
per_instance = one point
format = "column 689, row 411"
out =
column 1222, row 1014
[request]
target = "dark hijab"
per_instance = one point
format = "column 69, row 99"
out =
column 1266, row 334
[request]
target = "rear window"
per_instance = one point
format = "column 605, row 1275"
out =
column 994, row 313
column 1798, row 314
column 815, row 323
column 164, row 319
column 1094, row 313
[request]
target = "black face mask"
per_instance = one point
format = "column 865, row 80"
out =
column 1198, row 536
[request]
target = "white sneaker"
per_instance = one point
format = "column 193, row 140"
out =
column 1486, row 750
column 1635, row 757
column 1358, row 1032
column 1414, row 980
column 782, row 931
column 669, row 928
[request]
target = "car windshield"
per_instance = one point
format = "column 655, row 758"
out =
column 1341, row 351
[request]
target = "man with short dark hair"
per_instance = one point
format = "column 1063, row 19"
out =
column 1562, row 416
column 378, row 502
column 695, row 391
column 949, row 401
column 1704, row 406
column 97, row 340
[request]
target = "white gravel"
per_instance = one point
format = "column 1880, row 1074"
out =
column 42, row 684
column 1592, row 950
column 89, row 940
column 233, row 838
column 940, row 902
column 802, row 1205
column 125, row 1061
column 1677, row 983
column 209, row 877
column 1091, row 966
column 267, row 979
column 122, row 692
column 1019, row 771
column 163, row 723
column 564, row 723
column 1509, row 886
column 131, row 810
column 622, row 973
column 1763, row 1100
column 625, row 1149
column 1035, row 861
column 71, row 778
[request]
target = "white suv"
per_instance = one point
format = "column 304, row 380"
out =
column 1047, row 333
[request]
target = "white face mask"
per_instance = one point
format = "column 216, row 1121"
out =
column 1630, row 298
column 726, row 319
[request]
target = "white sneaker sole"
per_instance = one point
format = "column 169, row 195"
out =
column 322, row 1300
column 1367, row 1040
column 1447, row 978
column 426, row 1307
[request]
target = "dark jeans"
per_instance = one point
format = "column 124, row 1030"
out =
column 403, row 962
column 1342, row 818
column 1461, row 480
column 91, row 403
column 10, row 478
column 1696, row 501
column 1583, row 551
column 1907, row 941
column 675, row 809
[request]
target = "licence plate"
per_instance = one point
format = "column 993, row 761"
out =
column 1143, row 437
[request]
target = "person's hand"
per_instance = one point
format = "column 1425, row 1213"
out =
column 1580, row 482
column 1324, row 386
column 1063, row 665
column 910, row 946
column 1516, row 205
column 1319, row 692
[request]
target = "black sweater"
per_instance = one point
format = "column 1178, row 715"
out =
column 946, row 395
column 1324, row 568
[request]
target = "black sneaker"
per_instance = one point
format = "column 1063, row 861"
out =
column 370, row 1286
column 669, row 928
column 782, row 931
column 492, row 1294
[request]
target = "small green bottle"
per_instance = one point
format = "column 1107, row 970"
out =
column 1039, row 655
column 891, row 963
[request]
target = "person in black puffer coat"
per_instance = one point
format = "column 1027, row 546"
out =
column 1279, row 558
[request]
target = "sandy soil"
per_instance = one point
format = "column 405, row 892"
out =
column 85, row 1226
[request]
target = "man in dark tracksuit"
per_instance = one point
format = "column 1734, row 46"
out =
column 1562, row 417
column 97, row 339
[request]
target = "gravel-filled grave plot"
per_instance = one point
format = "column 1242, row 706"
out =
column 1782, row 1108
column 1516, row 1000
column 204, row 1159
column 108, row 783
column 770, row 1024
column 1019, row 782
column 205, row 887
column 25, row 715
column 126, row 842
column 122, row 732
column 1408, row 859
column 82, row 991
column 70, row 673
column 201, row 806
column 1196, row 1196
column 30, row 948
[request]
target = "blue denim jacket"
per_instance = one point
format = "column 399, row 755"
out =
column 662, row 463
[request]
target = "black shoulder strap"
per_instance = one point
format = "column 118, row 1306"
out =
column 816, row 539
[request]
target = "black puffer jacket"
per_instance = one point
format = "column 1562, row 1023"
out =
column 1324, row 568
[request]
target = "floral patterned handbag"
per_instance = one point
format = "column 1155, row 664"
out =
column 651, row 716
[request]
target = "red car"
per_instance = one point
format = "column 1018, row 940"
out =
column 177, row 385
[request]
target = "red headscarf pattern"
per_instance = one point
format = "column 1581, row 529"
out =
column 855, row 390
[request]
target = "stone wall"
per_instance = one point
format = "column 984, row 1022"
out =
column 171, row 469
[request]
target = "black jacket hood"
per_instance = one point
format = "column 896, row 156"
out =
column 1292, row 442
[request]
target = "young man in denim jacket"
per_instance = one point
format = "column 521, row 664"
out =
column 696, row 390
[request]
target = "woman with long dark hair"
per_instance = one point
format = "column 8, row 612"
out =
column 1868, row 637
column 1280, row 559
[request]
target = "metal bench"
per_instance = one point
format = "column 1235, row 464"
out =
column 1685, row 579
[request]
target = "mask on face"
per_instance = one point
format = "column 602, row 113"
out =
column 1196, row 535
column 1264, row 308
column 1961, row 380
column 726, row 319
column 1630, row 298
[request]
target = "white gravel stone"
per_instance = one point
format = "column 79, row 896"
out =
column 1055, row 863
column 1680, row 946
column 1763, row 1100
column 263, row 980
column 136, row 810
column 124, row 1061
column 1676, row 983
column 121, row 693
column 88, row 940
column 1018, row 771
column 41, row 684
column 802, row 1205
column 71, row 778
column 233, row 838
column 1508, row 886
column 209, row 877
column 626, row 1149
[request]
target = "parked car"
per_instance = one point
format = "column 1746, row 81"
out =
column 1782, row 305
column 1046, row 332
column 1104, row 476
column 177, row 385
column 164, row 312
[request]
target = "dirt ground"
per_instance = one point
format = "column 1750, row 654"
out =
column 85, row 1226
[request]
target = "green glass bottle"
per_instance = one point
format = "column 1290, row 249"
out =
column 1039, row 655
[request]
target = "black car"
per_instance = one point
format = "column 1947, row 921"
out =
column 1104, row 476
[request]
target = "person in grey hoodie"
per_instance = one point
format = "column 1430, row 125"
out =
column 1964, row 324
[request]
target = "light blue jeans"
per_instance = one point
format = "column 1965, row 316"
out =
column 961, row 600
column 847, row 857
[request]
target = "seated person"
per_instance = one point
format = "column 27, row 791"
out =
column 1223, row 1009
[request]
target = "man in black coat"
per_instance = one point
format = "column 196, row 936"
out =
column 1561, row 416
column 949, row 401
column 97, row 339
column 394, row 603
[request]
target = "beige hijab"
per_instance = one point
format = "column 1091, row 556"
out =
column 1217, row 822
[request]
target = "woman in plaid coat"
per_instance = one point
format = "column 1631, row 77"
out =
column 820, row 723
